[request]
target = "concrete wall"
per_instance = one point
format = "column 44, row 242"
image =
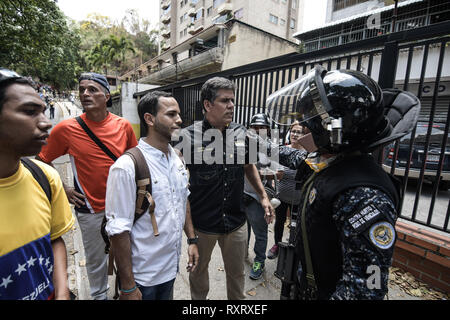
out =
column 246, row 45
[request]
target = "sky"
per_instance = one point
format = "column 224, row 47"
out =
column 115, row 9
column 315, row 10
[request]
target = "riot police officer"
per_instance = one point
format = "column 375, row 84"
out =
column 344, row 237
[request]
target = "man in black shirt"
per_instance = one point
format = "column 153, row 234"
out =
column 217, row 156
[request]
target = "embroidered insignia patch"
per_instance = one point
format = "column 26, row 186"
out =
column 312, row 195
column 382, row 235
column 360, row 220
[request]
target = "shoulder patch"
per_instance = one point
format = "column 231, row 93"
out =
column 363, row 218
column 382, row 235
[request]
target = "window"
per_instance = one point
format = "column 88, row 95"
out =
column 220, row 19
column 217, row 3
column 282, row 22
column 292, row 23
column 181, row 19
column 273, row 19
column 181, row 34
column 239, row 14
column 341, row 4
column 194, row 1
column 294, row 4
column 208, row 12
column 182, row 3
column 284, row 1
column 199, row 14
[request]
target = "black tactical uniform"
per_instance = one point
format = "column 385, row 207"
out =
column 349, row 216
column 345, row 228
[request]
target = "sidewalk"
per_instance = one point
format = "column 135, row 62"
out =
column 266, row 288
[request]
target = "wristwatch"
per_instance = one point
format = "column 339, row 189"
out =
column 192, row 240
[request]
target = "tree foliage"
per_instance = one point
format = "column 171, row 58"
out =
column 36, row 39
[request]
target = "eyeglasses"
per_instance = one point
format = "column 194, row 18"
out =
column 6, row 74
column 296, row 132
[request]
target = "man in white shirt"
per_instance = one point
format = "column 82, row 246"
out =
column 148, row 264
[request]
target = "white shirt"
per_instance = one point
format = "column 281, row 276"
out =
column 155, row 259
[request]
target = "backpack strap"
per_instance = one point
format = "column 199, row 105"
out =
column 144, row 199
column 39, row 175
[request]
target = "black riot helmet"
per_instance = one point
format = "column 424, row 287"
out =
column 260, row 119
column 343, row 109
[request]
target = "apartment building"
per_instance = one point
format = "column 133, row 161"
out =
column 182, row 19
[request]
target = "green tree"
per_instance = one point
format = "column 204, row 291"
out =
column 35, row 40
column 117, row 49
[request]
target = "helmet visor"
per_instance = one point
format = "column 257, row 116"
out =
column 300, row 100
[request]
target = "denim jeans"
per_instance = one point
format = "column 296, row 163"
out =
column 255, row 217
column 163, row 291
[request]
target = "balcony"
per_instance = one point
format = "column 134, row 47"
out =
column 165, row 46
column 225, row 8
column 195, row 29
column 165, row 4
column 191, row 29
column 166, row 18
column 209, row 61
column 192, row 12
column 165, row 33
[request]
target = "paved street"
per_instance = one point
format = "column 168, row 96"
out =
column 267, row 288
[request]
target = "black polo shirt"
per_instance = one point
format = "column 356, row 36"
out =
column 216, row 168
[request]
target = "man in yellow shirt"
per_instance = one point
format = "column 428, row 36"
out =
column 33, row 256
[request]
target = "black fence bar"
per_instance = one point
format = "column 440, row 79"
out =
column 433, row 110
column 419, row 95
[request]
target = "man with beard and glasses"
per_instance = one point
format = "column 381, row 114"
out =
column 148, row 263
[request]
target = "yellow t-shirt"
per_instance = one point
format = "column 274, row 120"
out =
column 28, row 224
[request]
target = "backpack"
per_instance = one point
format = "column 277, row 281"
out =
column 39, row 176
column 144, row 199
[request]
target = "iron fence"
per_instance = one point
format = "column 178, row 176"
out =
column 410, row 60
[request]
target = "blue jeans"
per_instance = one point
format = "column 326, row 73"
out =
column 163, row 291
column 255, row 218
